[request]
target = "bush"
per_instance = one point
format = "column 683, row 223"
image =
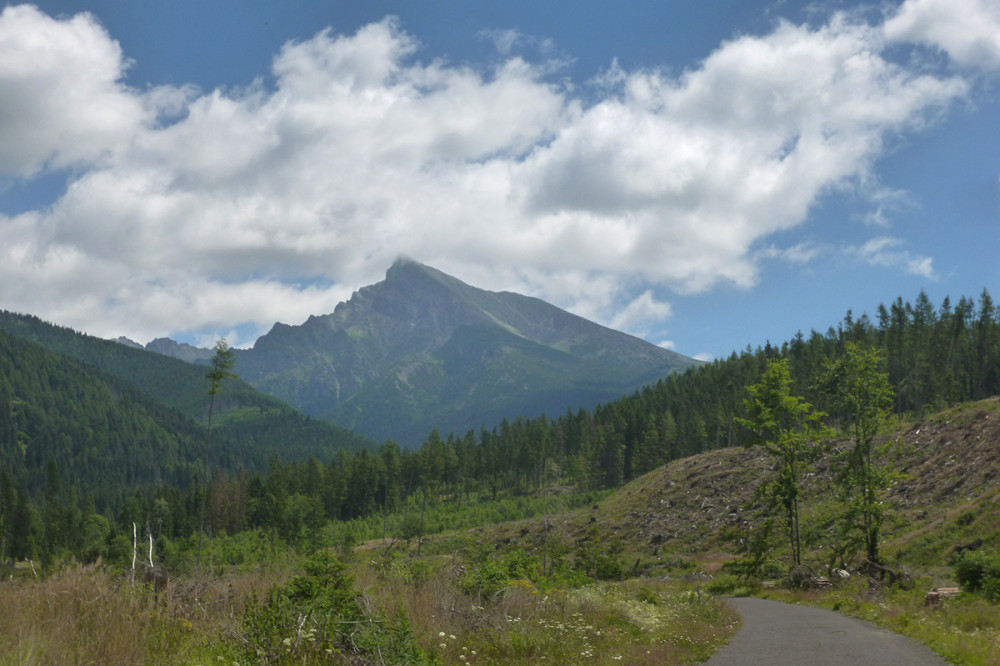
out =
column 979, row 571
column 316, row 616
column 488, row 574
column 730, row 585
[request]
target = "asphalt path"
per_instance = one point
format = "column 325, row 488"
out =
column 775, row 634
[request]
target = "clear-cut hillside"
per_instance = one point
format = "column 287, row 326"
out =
column 423, row 350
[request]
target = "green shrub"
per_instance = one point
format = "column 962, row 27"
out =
column 979, row 571
column 648, row 596
column 316, row 616
column 487, row 574
column 608, row 567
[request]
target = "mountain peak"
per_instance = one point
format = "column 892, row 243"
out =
column 423, row 349
column 405, row 269
column 403, row 265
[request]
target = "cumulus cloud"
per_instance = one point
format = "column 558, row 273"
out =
column 967, row 30
column 62, row 98
column 197, row 210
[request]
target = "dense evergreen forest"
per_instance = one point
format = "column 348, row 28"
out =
column 258, row 423
column 934, row 356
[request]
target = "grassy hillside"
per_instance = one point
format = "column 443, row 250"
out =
column 950, row 463
column 679, row 522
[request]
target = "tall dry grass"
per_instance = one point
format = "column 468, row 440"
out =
column 84, row 614
column 648, row 622
column 91, row 615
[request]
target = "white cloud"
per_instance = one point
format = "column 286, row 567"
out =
column 677, row 177
column 967, row 30
column 802, row 253
column 642, row 309
column 195, row 211
column 882, row 251
column 62, row 99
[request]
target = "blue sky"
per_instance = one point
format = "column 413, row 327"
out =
column 704, row 175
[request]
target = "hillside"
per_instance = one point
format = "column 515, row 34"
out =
column 262, row 424
column 64, row 426
column 948, row 496
column 423, row 350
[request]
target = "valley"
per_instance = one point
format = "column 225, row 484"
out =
column 618, row 526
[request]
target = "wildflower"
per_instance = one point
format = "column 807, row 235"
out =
column 451, row 636
column 441, row 634
column 443, row 645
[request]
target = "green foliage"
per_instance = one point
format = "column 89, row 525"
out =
column 979, row 571
column 222, row 369
column 598, row 560
column 732, row 586
column 488, row 572
column 862, row 398
column 316, row 617
column 788, row 427
column 753, row 547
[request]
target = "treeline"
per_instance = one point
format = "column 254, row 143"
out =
column 934, row 356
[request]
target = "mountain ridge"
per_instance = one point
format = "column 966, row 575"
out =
column 423, row 350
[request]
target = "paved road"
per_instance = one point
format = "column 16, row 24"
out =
column 779, row 634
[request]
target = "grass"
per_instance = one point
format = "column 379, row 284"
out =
column 87, row 615
column 633, row 622
column 443, row 516
column 91, row 614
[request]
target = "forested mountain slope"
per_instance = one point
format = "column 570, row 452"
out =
column 260, row 423
column 66, row 425
column 934, row 357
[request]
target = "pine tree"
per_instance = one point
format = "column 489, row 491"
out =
column 222, row 366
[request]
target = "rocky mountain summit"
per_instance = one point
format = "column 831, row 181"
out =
column 423, row 350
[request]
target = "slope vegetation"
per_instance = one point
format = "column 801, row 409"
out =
column 62, row 423
column 262, row 425
column 689, row 509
